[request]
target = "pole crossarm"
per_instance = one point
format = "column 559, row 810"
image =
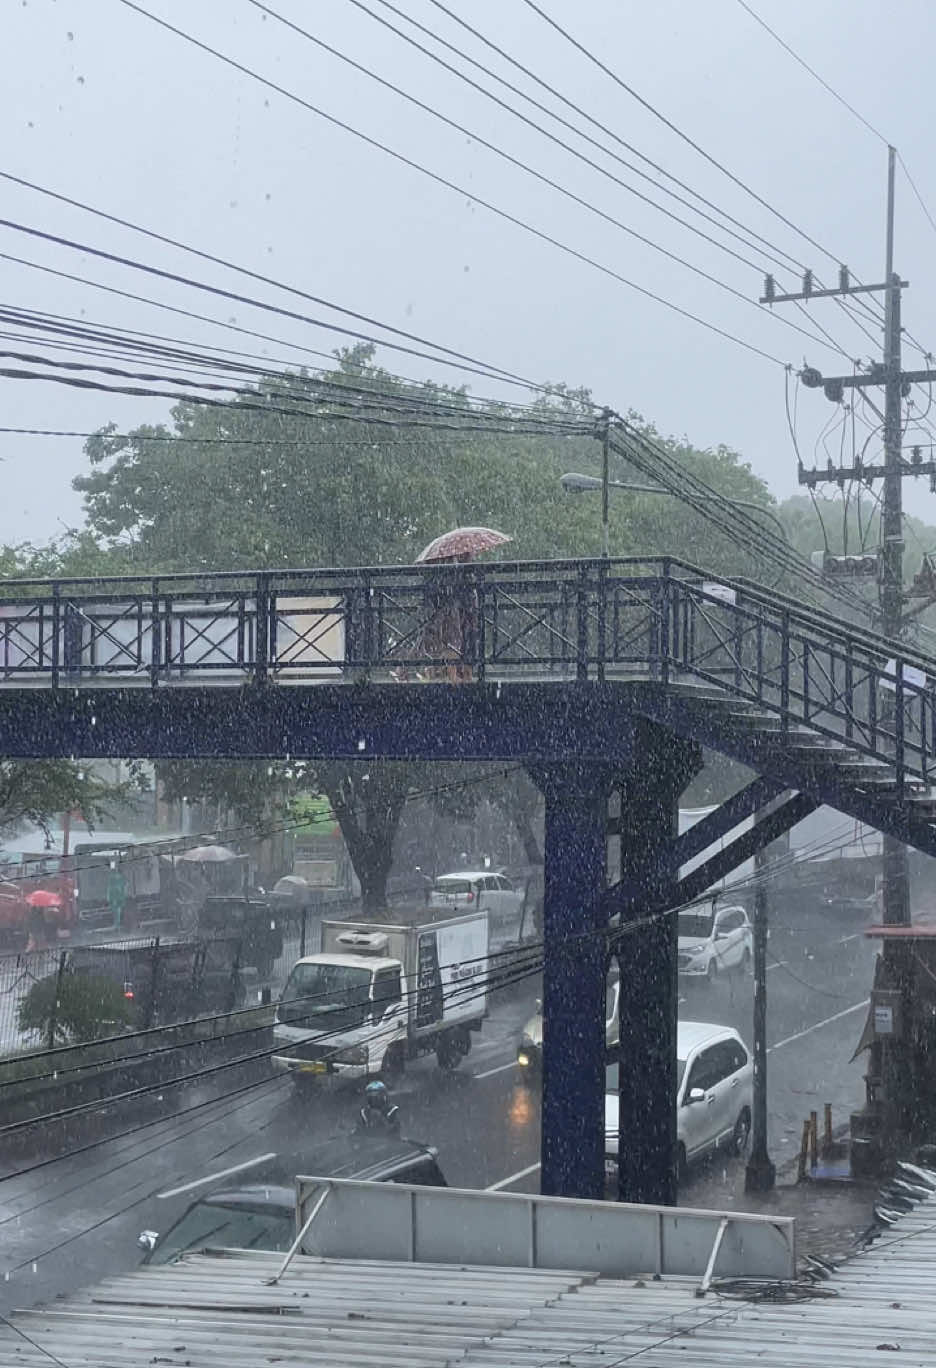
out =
column 800, row 296
column 864, row 473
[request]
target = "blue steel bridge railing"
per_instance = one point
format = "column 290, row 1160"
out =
column 591, row 620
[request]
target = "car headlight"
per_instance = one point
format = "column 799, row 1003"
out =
column 695, row 950
column 354, row 1054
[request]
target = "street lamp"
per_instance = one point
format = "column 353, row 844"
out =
column 574, row 483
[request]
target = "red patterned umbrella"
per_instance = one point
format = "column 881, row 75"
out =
column 462, row 541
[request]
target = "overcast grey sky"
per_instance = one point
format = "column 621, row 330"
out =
column 100, row 104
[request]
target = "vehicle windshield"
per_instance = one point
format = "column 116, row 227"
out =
column 450, row 887
column 333, row 997
column 224, row 1228
column 695, row 925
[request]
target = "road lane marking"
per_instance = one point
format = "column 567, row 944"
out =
column 501, row 1068
column 858, row 935
column 857, row 1007
column 777, row 964
column 514, row 1178
column 223, row 1173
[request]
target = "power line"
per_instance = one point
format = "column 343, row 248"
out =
column 920, row 199
column 244, row 404
column 813, row 73
column 570, row 104
column 449, row 356
column 29, row 1340
column 406, row 443
column 531, row 123
column 553, row 184
column 200, row 318
column 343, row 392
column 468, row 364
column 451, row 185
column 876, row 132
column 674, row 128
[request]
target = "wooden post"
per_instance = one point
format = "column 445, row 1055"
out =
column 827, row 1143
column 813, row 1139
column 804, row 1150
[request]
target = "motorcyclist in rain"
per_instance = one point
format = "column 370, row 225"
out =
column 378, row 1112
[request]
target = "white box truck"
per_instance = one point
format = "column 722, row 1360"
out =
column 376, row 996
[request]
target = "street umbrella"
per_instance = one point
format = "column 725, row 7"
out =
column 462, row 541
column 208, row 854
column 43, row 897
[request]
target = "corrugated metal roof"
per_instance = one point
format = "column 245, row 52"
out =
column 216, row 1309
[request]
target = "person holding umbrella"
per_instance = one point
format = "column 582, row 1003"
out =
column 449, row 632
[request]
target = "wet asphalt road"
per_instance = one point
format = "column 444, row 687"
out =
column 75, row 1221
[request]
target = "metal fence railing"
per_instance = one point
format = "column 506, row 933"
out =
column 586, row 620
column 171, row 978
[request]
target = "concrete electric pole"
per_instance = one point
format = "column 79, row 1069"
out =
column 889, row 1074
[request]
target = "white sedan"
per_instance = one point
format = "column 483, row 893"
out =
column 713, row 940
column 714, row 1095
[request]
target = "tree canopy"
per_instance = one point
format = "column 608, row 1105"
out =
column 323, row 473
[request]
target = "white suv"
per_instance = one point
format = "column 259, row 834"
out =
column 713, row 940
column 714, row 1094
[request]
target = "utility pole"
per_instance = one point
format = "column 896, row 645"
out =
column 760, row 1174
column 889, row 1071
column 606, row 416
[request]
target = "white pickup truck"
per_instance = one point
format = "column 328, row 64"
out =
column 377, row 996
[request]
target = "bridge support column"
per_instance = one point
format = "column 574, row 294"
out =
column 575, row 960
column 662, row 767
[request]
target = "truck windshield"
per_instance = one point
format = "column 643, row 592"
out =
column 328, row 997
column 695, row 925
column 225, row 1228
column 452, row 887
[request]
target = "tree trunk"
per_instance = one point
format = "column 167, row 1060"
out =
column 368, row 808
column 531, row 849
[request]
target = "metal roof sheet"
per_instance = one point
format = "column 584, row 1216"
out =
column 218, row 1309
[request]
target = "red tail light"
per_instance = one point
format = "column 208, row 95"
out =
column 128, row 991
column 470, row 897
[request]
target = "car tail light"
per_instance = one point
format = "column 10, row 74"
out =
column 128, row 991
column 469, row 897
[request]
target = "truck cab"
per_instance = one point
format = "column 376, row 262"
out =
column 340, row 1014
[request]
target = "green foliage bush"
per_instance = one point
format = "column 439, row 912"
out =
column 75, row 1008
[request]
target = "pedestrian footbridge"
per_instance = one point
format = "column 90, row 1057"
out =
column 598, row 675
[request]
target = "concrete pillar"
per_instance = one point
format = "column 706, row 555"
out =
column 662, row 767
column 574, row 974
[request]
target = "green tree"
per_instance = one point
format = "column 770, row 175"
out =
column 238, row 487
column 70, row 1007
column 39, row 791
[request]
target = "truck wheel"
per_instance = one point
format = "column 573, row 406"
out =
column 452, row 1048
column 394, row 1063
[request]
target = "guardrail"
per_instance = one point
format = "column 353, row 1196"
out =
column 341, row 1218
column 662, row 620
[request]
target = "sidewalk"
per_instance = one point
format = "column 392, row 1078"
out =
column 829, row 1216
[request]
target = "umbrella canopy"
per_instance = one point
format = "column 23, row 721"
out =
column 42, row 897
column 208, row 854
column 462, row 541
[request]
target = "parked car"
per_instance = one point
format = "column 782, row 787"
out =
column 714, row 1095
column 713, row 940
column 262, row 1215
column 530, row 1049
column 473, row 889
